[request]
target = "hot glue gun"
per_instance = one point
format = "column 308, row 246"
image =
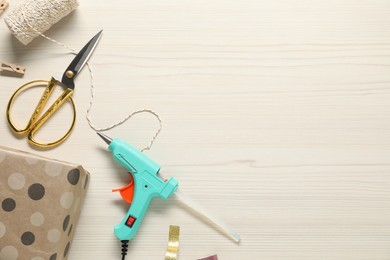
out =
column 144, row 186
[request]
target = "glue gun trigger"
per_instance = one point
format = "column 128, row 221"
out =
column 127, row 192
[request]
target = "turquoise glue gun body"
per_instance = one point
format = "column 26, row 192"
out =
column 145, row 185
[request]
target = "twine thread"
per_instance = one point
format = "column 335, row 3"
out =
column 29, row 31
column 34, row 17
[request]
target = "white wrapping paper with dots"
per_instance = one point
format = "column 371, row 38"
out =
column 41, row 201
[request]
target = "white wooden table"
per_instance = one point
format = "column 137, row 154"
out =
column 275, row 117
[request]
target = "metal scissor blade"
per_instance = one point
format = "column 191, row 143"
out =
column 79, row 61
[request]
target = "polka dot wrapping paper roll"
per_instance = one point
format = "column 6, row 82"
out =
column 40, row 205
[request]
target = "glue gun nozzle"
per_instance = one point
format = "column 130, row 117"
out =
column 106, row 139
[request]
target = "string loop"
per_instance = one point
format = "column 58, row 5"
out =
column 120, row 122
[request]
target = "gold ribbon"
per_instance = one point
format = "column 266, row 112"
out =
column 173, row 243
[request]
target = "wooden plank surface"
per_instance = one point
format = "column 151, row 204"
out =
column 275, row 117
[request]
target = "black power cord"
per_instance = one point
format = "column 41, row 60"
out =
column 125, row 244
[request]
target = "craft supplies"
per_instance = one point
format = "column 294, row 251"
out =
column 173, row 243
column 67, row 81
column 34, row 17
column 146, row 183
column 40, row 205
column 3, row 5
column 10, row 69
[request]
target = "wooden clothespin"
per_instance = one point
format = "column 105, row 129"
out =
column 9, row 69
column 3, row 5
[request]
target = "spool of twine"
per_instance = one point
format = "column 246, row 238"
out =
column 34, row 17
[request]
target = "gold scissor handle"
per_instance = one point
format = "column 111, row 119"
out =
column 41, row 103
column 35, row 123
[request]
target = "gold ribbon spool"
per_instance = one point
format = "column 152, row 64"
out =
column 173, row 243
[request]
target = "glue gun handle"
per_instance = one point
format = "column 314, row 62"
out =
column 127, row 229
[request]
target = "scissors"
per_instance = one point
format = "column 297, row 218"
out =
column 67, row 82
